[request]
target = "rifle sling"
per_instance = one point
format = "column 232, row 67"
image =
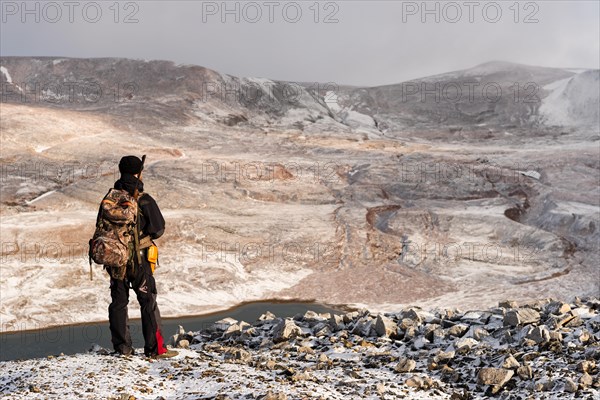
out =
column 145, row 242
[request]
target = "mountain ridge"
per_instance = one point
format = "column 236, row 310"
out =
column 493, row 93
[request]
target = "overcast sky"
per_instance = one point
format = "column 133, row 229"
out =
column 346, row 42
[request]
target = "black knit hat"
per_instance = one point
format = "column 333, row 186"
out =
column 130, row 165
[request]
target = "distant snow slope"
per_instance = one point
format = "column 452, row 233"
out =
column 8, row 77
column 6, row 74
column 573, row 101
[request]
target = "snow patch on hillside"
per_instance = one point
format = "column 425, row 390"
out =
column 554, row 107
column 8, row 77
column 573, row 101
column 358, row 121
column 6, row 74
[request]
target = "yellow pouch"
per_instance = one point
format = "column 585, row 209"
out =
column 152, row 256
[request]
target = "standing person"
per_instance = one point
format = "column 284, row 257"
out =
column 140, row 278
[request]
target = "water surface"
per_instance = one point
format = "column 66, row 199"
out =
column 71, row 339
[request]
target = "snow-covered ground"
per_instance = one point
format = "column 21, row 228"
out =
column 190, row 375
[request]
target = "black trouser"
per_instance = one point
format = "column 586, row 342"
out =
column 142, row 282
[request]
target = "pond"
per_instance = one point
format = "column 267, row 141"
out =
column 71, row 339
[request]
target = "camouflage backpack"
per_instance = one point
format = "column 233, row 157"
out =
column 113, row 242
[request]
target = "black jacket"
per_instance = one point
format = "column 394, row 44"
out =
column 151, row 220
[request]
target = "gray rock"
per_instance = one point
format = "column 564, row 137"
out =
column 525, row 372
column 324, row 332
column 305, row 349
column 465, row 395
column 495, row 321
column 586, row 366
column 232, row 330
column 457, row 330
column 415, row 382
column 316, row 326
column 477, row 332
column 224, row 324
column 523, row 332
column 249, row 333
column 173, row 340
column 413, row 315
column 494, row 376
column 419, row 343
column 570, row 385
column 444, row 356
column 381, row 389
column 336, row 322
column 419, row 383
column 301, row 376
column 565, row 319
column 583, row 336
column 237, row 355
column 363, row 326
column 354, row 374
column 455, row 356
column 34, row 389
column 310, row 315
column 273, row 396
column 407, row 323
column 557, row 308
column 179, row 335
column 351, row 316
column 409, row 333
column 521, row 316
column 497, row 377
column 510, row 363
column 99, row 350
column 573, row 322
column 476, row 316
column 508, row 304
column 585, row 380
column 530, row 356
column 547, row 385
column 385, row 326
column 285, row 330
column 405, row 365
column 438, row 336
column 467, row 343
column 343, row 334
column 268, row 364
column 556, row 336
column 539, row 334
column 428, row 331
column 268, row 316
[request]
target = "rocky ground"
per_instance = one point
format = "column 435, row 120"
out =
column 539, row 350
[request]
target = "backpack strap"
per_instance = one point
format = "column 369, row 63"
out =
column 100, row 208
